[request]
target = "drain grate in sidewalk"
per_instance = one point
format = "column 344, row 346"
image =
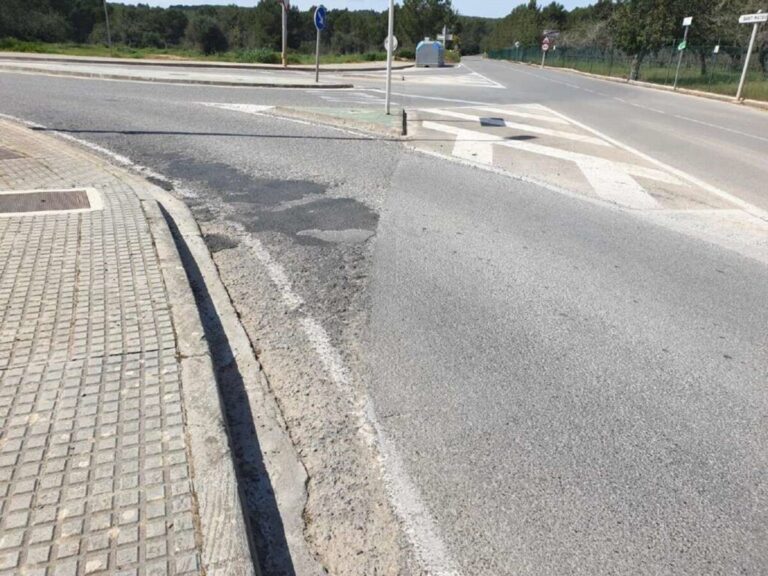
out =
column 28, row 202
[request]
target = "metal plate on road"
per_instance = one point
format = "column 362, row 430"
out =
column 753, row 18
column 320, row 15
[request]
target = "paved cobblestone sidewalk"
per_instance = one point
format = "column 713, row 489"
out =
column 95, row 458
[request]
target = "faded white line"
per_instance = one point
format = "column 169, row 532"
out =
column 608, row 179
column 492, row 82
column 518, row 110
column 750, row 208
column 524, row 127
column 413, row 513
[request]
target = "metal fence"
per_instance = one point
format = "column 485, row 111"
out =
column 702, row 68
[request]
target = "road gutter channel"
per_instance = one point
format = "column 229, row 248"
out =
column 286, row 475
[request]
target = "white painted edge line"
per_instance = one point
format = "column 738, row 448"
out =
column 576, row 137
column 743, row 204
column 95, row 202
column 417, row 522
column 492, row 83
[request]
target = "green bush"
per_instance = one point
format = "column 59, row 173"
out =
column 406, row 54
column 453, row 56
column 259, row 55
column 207, row 35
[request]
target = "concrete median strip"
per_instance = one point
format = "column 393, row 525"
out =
column 271, row 80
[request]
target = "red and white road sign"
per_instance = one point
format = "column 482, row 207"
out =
column 545, row 44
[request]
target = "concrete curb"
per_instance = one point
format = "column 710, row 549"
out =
column 28, row 57
column 287, row 474
column 394, row 134
column 686, row 91
column 225, row 545
column 128, row 78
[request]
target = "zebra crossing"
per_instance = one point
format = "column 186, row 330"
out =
column 534, row 142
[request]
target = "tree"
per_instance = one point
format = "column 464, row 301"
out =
column 206, row 34
column 418, row 19
column 642, row 26
column 522, row 25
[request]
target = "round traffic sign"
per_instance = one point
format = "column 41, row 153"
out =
column 545, row 46
column 394, row 43
column 320, row 14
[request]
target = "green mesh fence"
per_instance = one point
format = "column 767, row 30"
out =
column 701, row 67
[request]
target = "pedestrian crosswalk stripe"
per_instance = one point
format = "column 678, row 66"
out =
column 526, row 127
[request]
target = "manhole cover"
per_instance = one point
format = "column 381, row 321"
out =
column 25, row 202
column 8, row 154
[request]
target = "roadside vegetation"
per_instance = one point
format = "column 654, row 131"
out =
column 638, row 40
column 225, row 33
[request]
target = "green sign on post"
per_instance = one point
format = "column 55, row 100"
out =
column 682, row 45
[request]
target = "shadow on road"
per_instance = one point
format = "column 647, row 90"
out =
column 269, row 548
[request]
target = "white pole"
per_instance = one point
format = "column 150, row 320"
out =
column 543, row 57
column 680, row 56
column 106, row 19
column 317, row 58
column 285, row 34
column 746, row 61
column 390, row 49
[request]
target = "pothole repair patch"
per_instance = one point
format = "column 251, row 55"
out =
column 34, row 202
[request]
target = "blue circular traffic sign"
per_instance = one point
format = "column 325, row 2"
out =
column 320, row 14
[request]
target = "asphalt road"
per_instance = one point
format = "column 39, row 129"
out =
column 572, row 389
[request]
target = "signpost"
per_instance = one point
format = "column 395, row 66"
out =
column 390, row 45
column 106, row 19
column 544, row 50
column 286, row 4
column 320, row 25
column 755, row 20
column 682, row 46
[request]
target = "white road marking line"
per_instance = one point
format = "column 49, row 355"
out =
column 417, row 521
column 246, row 108
column 491, row 83
column 524, row 127
column 649, row 108
column 750, row 208
column 608, row 179
column 517, row 111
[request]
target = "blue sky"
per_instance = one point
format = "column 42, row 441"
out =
column 491, row 8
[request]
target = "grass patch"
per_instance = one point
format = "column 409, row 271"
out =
column 259, row 55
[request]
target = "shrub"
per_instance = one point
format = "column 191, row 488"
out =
column 259, row 55
column 406, row 54
column 206, row 34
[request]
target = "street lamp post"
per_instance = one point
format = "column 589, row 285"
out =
column 106, row 19
column 286, row 4
column 390, row 50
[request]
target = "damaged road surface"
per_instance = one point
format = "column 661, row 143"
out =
column 479, row 375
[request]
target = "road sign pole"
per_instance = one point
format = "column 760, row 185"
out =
column 284, row 57
column 746, row 60
column 680, row 56
column 390, row 49
column 106, row 19
column 543, row 57
column 317, row 58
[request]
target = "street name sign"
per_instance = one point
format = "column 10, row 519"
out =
column 688, row 21
column 758, row 18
